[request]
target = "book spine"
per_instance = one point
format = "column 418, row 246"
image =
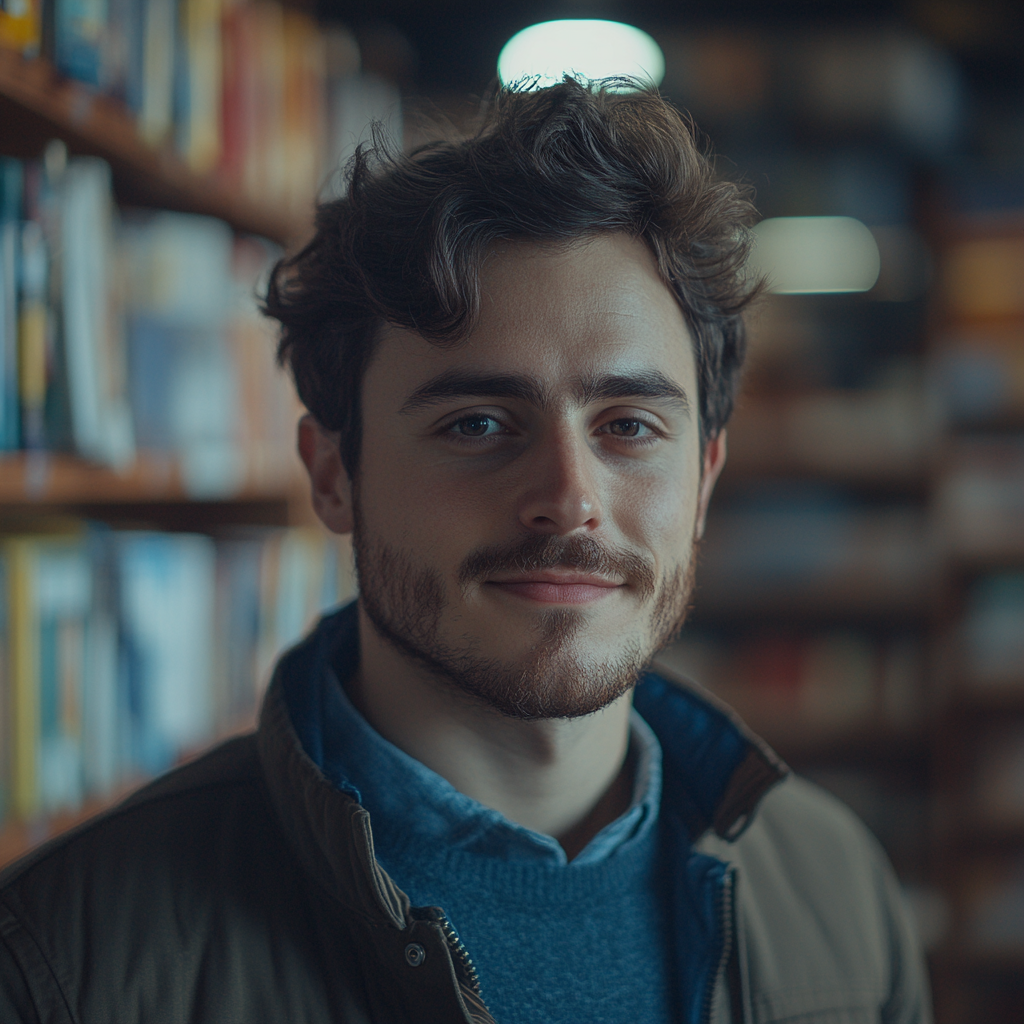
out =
column 199, row 136
column 32, row 335
column 11, row 186
column 6, row 730
column 158, row 42
column 24, row 676
column 93, row 335
column 21, row 26
column 79, row 38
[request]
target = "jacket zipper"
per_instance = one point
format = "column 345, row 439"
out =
column 461, row 954
column 465, row 969
column 724, row 906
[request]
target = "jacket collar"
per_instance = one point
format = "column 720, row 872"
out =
column 716, row 771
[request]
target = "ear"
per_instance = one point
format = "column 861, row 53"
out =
column 331, row 489
column 714, row 462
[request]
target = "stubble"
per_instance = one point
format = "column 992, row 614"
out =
column 556, row 678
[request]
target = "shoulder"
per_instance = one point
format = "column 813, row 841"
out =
column 143, row 887
column 187, row 796
column 804, row 847
column 199, row 836
column 820, row 911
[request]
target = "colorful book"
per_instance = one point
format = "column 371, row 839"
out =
column 5, row 695
column 200, row 85
column 79, row 40
column 93, row 333
column 158, row 48
column 23, row 701
column 21, row 26
column 166, row 587
column 33, row 331
column 11, row 186
column 62, row 603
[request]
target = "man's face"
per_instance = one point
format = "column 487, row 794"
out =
column 527, row 499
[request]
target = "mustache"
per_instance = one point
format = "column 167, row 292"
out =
column 582, row 554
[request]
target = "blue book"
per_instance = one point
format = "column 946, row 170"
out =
column 11, row 188
column 126, row 46
column 6, row 724
column 79, row 40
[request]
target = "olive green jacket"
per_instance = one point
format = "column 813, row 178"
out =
column 242, row 888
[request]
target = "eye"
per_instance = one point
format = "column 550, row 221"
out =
column 628, row 428
column 477, row 425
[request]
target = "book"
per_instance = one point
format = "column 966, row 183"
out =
column 98, row 686
column 5, row 693
column 993, row 630
column 92, row 326
column 158, row 42
column 21, row 26
column 23, row 723
column 11, row 185
column 812, row 547
column 794, row 684
column 79, row 40
column 61, row 584
column 182, row 382
column 124, row 51
column 33, row 334
column 199, row 85
column 303, row 110
column 982, row 277
column 166, row 587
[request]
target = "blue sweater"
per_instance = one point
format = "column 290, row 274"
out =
column 627, row 931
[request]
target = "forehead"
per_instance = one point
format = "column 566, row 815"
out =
column 556, row 314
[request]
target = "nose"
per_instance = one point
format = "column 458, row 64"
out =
column 561, row 493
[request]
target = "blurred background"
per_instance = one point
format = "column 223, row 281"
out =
column 861, row 591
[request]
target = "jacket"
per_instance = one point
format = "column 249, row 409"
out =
column 242, row 888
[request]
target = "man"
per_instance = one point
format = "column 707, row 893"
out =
column 518, row 352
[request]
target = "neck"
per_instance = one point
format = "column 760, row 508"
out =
column 566, row 779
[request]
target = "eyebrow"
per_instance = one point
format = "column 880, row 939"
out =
column 468, row 383
column 642, row 384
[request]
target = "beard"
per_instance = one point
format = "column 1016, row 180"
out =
column 556, row 678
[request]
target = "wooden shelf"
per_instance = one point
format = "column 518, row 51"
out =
column 31, row 479
column 37, row 104
column 768, row 439
column 150, row 492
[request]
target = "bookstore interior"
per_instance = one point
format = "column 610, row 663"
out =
column 860, row 594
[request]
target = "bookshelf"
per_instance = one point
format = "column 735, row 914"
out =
column 252, row 529
column 37, row 104
column 978, row 737
column 32, row 480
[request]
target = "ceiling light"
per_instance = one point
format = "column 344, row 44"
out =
column 584, row 48
column 808, row 255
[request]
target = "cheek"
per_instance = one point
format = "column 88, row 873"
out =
column 407, row 502
column 659, row 511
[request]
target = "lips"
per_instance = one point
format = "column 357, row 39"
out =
column 556, row 588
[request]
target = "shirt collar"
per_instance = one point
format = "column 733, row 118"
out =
column 411, row 805
column 715, row 770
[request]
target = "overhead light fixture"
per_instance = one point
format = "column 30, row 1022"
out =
column 815, row 255
column 583, row 47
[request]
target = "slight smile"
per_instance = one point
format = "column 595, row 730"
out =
column 551, row 587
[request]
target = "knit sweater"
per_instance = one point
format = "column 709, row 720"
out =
column 594, row 931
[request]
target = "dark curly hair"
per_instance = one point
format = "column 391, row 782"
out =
column 552, row 165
